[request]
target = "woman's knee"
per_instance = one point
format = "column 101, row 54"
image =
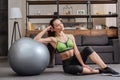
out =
column 73, row 69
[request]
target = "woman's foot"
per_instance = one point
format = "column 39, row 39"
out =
column 109, row 71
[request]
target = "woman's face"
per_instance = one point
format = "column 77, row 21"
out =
column 58, row 25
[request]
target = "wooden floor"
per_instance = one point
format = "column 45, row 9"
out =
column 56, row 73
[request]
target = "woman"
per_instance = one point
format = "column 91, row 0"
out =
column 73, row 60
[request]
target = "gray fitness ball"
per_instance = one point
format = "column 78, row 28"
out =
column 28, row 57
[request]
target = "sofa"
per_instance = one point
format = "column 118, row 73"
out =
column 107, row 48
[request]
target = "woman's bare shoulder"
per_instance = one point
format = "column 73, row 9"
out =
column 70, row 35
column 53, row 42
column 53, row 39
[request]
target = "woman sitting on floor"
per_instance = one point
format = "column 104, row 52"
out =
column 73, row 60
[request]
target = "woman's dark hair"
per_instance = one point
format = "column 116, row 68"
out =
column 52, row 33
column 51, row 22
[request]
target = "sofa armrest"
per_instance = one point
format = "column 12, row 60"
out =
column 116, row 50
column 33, row 35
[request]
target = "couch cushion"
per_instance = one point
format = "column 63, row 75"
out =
column 78, row 39
column 99, row 49
column 95, row 40
column 106, row 57
column 105, row 49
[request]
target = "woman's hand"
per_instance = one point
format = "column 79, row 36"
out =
column 50, row 28
column 87, row 66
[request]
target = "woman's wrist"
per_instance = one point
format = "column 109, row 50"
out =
column 48, row 28
column 83, row 65
column 45, row 30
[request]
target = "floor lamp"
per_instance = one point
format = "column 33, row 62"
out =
column 15, row 14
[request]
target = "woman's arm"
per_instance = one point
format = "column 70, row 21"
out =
column 39, row 38
column 77, row 53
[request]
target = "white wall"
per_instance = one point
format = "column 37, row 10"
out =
column 110, row 8
column 98, row 8
column 105, row 9
column 50, row 9
column 21, row 4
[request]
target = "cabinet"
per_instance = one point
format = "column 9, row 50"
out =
column 112, row 33
column 57, row 4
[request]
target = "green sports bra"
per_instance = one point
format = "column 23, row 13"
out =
column 64, row 46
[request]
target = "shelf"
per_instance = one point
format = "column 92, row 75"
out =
column 85, row 16
column 85, row 1
column 72, row 16
column 41, row 2
column 41, row 16
column 57, row 3
column 71, row 2
column 104, row 15
column 112, row 33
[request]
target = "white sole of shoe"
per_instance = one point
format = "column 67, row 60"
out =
column 114, row 75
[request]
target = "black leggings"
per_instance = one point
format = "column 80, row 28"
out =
column 72, row 65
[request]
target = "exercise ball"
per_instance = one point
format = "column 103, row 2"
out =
column 28, row 57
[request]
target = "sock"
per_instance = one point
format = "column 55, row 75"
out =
column 100, row 71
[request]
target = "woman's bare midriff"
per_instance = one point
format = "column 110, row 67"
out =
column 67, row 54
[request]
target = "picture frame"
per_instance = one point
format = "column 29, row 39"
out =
column 80, row 12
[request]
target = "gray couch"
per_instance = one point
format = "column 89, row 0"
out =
column 107, row 49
